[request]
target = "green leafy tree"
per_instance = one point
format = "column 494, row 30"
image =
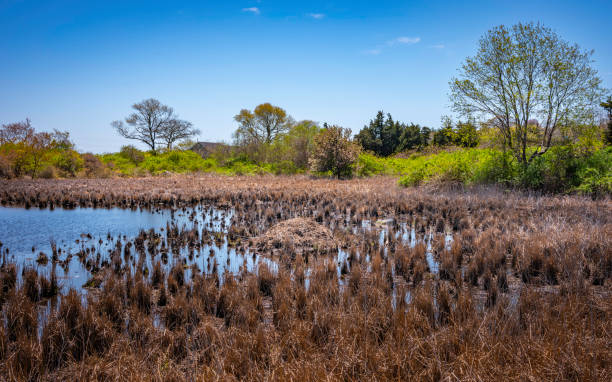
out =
column 445, row 135
column 262, row 125
column 297, row 144
column 527, row 72
column 465, row 134
column 334, row 152
column 259, row 129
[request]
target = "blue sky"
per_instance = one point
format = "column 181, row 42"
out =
column 78, row 65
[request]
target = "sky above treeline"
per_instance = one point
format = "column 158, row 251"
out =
column 79, row 65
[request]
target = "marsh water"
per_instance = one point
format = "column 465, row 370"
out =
column 27, row 235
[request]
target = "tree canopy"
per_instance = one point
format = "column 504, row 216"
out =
column 261, row 125
column 385, row 137
column 523, row 73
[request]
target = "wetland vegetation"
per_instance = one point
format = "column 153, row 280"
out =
column 368, row 280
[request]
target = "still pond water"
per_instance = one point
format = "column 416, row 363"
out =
column 25, row 233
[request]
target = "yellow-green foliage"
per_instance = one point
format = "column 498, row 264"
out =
column 21, row 159
column 180, row 162
column 468, row 166
column 561, row 169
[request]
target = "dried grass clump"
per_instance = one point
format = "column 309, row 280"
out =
column 299, row 234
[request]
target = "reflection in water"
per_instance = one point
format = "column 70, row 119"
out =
column 88, row 234
column 87, row 237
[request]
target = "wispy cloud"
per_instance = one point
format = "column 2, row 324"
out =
column 396, row 41
column 438, row 46
column 404, row 40
column 253, row 10
column 316, row 16
column 372, row 52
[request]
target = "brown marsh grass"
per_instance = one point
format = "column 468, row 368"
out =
column 523, row 291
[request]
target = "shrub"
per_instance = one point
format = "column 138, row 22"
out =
column 68, row 161
column 6, row 170
column 334, row 152
column 132, row 154
column 561, row 169
column 368, row 165
column 92, row 166
column 49, row 172
column 468, row 166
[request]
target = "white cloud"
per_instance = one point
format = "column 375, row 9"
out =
column 404, row 40
column 253, row 10
column 438, row 46
column 317, row 16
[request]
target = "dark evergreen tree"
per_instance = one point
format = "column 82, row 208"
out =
column 370, row 137
column 425, row 136
column 411, row 137
column 445, row 135
column 386, row 137
column 390, row 137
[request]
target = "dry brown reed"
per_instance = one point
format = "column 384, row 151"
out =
column 523, row 292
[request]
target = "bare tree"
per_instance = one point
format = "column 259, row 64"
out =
column 524, row 73
column 16, row 132
column 176, row 130
column 147, row 123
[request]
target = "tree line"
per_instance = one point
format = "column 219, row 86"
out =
column 525, row 91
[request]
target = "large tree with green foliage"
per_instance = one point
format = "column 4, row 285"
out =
column 297, row 144
column 261, row 125
column 523, row 73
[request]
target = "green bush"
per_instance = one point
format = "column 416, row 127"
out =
column 368, row 165
column 68, row 161
column 132, row 154
column 561, row 169
column 468, row 166
column 565, row 169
